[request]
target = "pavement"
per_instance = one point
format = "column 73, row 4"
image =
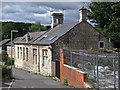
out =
column 25, row 79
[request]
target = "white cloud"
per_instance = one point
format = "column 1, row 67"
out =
column 39, row 11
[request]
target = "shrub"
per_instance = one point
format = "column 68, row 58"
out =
column 65, row 82
column 4, row 56
column 9, row 61
column 5, row 72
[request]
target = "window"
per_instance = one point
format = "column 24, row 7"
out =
column 52, row 38
column 21, row 52
column 42, row 37
column 18, row 52
column 35, row 56
column 26, row 54
column 101, row 44
column 45, row 57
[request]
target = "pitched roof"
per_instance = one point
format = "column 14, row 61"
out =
column 33, row 36
column 5, row 41
column 16, row 39
column 52, row 35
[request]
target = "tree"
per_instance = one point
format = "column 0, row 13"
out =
column 37, row 27
column 8, row 26
column 106, row 17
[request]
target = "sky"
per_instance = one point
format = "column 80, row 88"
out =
column 32, row 12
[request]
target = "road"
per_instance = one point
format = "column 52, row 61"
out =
column 25, row 79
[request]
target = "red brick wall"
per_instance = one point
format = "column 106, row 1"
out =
column 73, row 76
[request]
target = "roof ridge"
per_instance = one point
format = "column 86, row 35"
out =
column 72, row 22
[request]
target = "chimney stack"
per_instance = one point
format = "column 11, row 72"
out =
column 27, row 38
column 83, row 14
column 56, row 17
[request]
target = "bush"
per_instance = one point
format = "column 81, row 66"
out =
column 6, row 59
column 5, row 72
column 4, row 56
column 65, row 82
column 9, row 61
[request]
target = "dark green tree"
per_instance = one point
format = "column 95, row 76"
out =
column 37, row 27
column 8, row 26
column 106, row 18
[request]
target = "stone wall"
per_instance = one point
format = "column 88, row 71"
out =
column 28, row 64
column 82, row 36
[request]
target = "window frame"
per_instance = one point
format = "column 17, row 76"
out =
column 34, row 55
column 100, row 45
column 45, row 57
column 23, row 53
column 26, row 54
column 18, row 52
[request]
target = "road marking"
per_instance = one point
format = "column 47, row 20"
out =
column 10, row 84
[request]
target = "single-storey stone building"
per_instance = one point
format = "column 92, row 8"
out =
column 8, row 47
column 41, row 54
column 3, row 45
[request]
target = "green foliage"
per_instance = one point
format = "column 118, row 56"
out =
column 8, row 62
column 6, row 59
column 50, row 76
column 22, row 28
column 8, row 26
column 4, row 56
column 5, row 72
column 55, row 79
column 106, row 17
column 37, row 27
column 65, row 82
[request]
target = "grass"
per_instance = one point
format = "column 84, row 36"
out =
column 55, row 79
column 36, row 73
column 50, row 76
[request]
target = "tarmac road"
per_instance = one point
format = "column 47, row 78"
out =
column 25, row 79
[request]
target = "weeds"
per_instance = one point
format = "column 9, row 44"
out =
column 65, row 82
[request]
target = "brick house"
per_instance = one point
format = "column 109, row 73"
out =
column 46, row 47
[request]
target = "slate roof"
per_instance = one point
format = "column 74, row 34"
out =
column 33, row 36
column 16, row 39
column 5, row 41
column 53, row 34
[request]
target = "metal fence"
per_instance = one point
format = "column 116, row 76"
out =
column 101, row 68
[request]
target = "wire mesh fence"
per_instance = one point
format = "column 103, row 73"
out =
column 101, row 68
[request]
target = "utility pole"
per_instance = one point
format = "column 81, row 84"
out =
column 11, row 51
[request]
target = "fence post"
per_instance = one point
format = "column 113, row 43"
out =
column 114, row 76
column 71, row 57
column 94, row 60
column 97, row 72
column 118, row 69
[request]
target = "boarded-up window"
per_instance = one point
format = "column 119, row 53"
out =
column 23, row 53
column 45, row 57
column 18, row 52
column 26, row 54
column 35, row 56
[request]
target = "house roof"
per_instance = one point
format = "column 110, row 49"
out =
column 5, row 41
column 53, row 34
column 33, row 36
column 16, row 39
